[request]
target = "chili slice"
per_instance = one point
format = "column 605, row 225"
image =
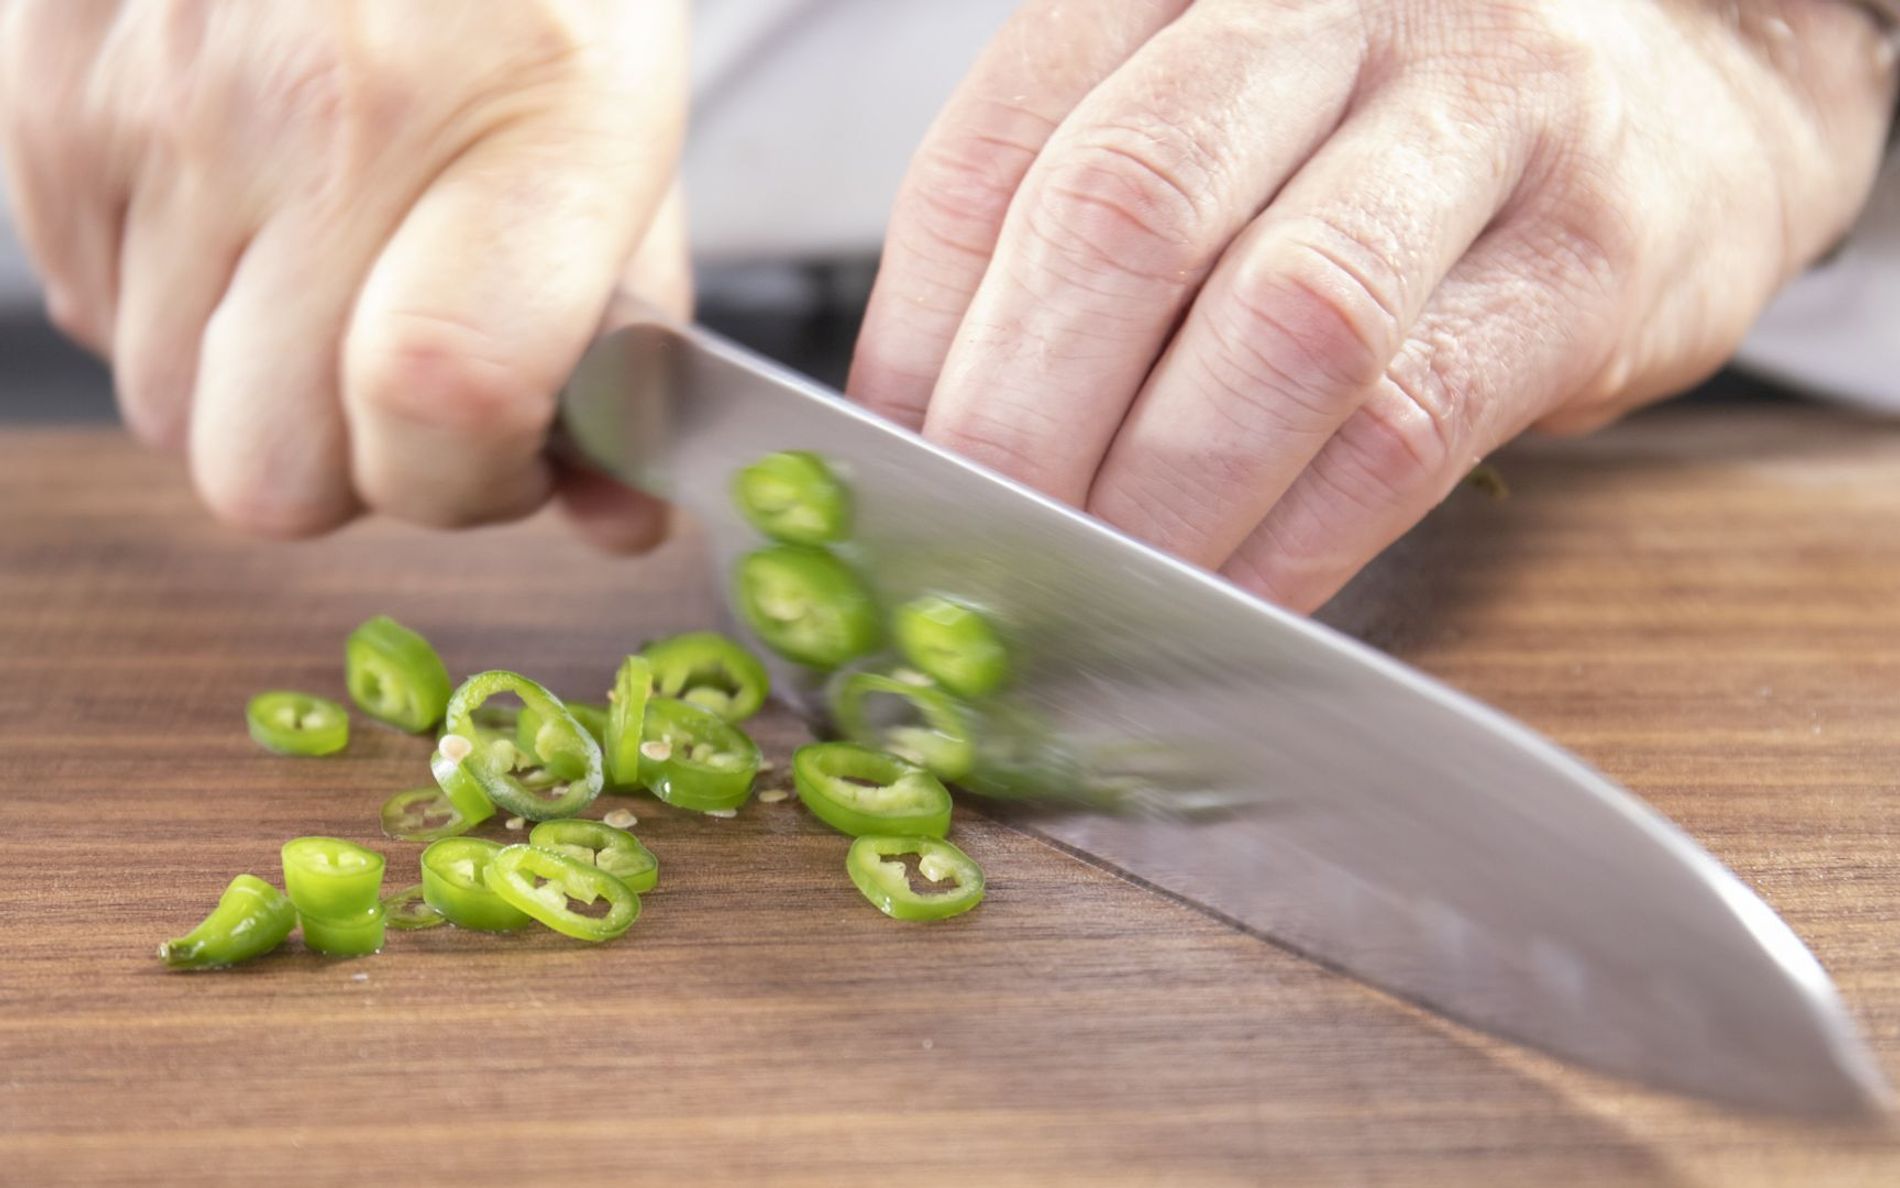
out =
column 542, row 883
column 597, row 843
column 356, row 935
column 395, row 675
column 593, row 719
column 806, row 605
column 408, row 910
column 453, row 884
column 859, row 791
column 930, row 729
column 886, row 883
column 794, row 497
column 422, row 815
column 251, row 919
column 560, row 777
column 626, row 720
column 694, row 759
column 297, row 723
column 952, row 644
column 711, row 671
column 330, row 878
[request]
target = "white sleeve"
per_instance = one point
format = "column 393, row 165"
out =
column 1835, row 330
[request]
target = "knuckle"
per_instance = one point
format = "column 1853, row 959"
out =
column 958, row 190
column 251, row 499
column 1312, row 327
column 1405, row 432
column 1122, row 204
column 990, row 437
column 445, row 373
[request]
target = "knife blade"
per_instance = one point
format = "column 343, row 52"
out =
column 1261, row 766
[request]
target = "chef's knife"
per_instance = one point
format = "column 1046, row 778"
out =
column 1262, row 766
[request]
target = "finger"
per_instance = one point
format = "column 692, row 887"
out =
column 1300, row 319
column 1119, row 222
column 950, row 209
column 1520, row 324
column 612, row 517
column 177, row 261
column 267, row 442
column 479, row 308
column 67, row 195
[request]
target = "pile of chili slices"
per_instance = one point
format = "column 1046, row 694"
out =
column 670, row 725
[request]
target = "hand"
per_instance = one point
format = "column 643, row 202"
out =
column 1259, row 281
column 344, row 253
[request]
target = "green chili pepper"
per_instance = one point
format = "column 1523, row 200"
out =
column 356, row 935
column 794, row 497
column 887, row 883
column 626, row 720
column 453, row 884
column 593, row 719
column 952, row 644
column 906, row 715
column 297, row 723
column 330, row 878
column 694, row 759
column 422, row 815
column 560, row 777
column 543, row 883
column 596, row 843
column 711, row 671
column 859, row 791
column 395, row 675
column 408, row 910
column 806, row 605
column 251, row 919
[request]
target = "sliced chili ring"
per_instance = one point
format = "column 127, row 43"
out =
column 694, row 759
column 886, row 883
column 408, row 910
column 330, row 878
column 251, row 919
column 395, row 675
column 561, row 776
column 710, row 671
column 794, row 497
column 908, row 716
column 597, row 843
column 626, row 720
column 859, row 791
column 542, row 883
column 356, row 935
column 422, row 815
column 593, row 719
column 453, row 884
column 951, row 643
column 292, row 723
column 806, row 605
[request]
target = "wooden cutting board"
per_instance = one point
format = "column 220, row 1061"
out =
column 1705, row 603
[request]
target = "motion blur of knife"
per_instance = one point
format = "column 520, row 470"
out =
column 1263, row 767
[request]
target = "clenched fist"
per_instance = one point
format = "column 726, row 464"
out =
column 1259, row 280
column 344, row 252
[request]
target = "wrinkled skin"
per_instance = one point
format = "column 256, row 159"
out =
column 1256, row 280
column 1260, row 280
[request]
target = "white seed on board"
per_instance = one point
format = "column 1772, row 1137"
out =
column 657, row 749
column 774, row 795
column 514, row 823
column 620, row 819
column 723, row 814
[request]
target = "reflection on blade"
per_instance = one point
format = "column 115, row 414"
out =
column 1259, row 765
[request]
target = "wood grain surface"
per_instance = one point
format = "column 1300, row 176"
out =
column 1705, row 603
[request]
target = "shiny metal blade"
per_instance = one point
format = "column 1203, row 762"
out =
column 1266, row 768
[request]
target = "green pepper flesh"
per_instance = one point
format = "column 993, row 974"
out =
column 395, row 675
column 597, row 843
column 453, row 883
column 887, row 884
column 806, row 605
column 693, row 759
column 291, row 723
column 542, row 883
column 859, row 791
column 794, row 497
column 251, row 919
